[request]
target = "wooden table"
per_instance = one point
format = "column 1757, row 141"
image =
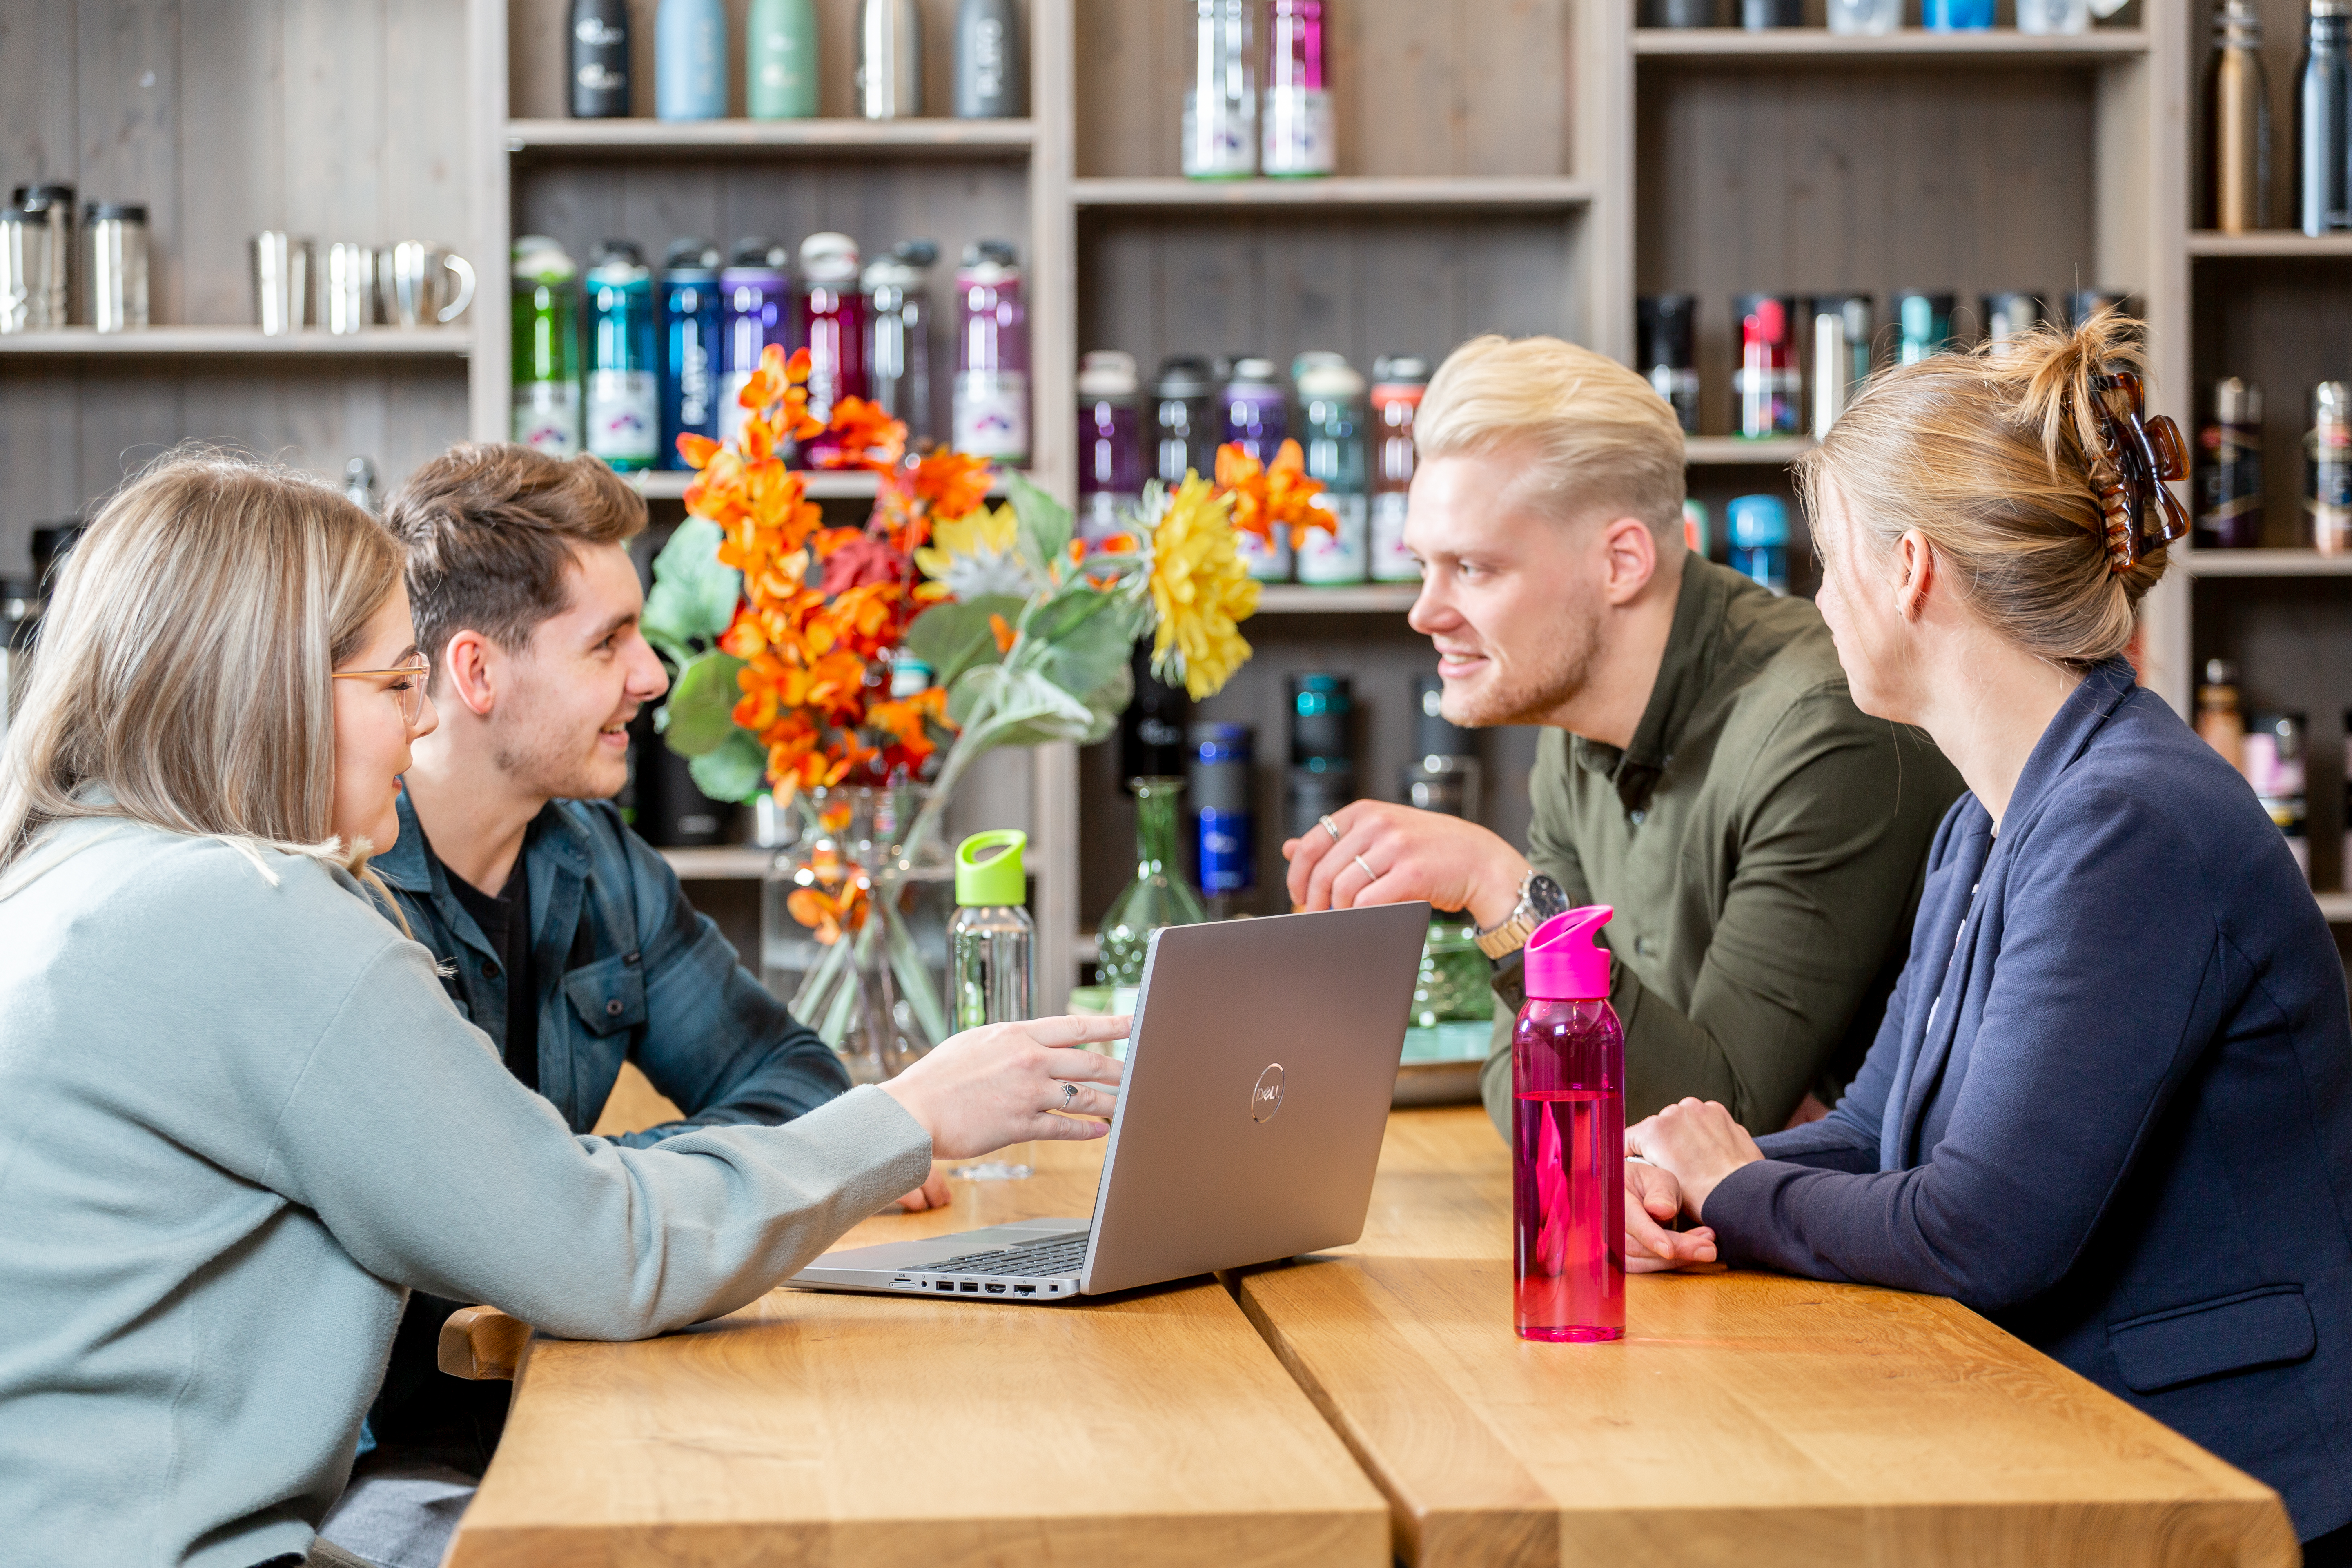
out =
column 1747, row 1419
column 832, row 1429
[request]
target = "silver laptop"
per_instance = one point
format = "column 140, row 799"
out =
column 1258, row 1087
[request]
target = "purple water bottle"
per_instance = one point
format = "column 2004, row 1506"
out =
column 754, row 297
column 992, row 390
column 829, row 317
column 1568, row 1144
column 1256, row 420
column 1110, row 442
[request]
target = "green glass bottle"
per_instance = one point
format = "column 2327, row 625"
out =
column 1158, row 897
column 779, row 67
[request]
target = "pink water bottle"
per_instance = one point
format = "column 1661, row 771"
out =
column 1568, row 1177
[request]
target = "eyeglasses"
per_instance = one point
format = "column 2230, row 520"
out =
column 413, row 678
column 2137, row 456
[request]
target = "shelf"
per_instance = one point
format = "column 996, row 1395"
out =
column 2336, row 906
column 823, row 484
column 877, row 137
column 2274, row 242
column 721, row 863
column 316, row 343
column 1738, row 451
column 2263, row 563
column 1908, row 44
column 1301, row 599
column 1358, row 191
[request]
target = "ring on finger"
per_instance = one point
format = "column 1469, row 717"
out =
column 1069, row 1094
column 1329, row 826
column 1367, row 870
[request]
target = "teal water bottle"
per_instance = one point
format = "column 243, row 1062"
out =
column 624, row 392
column 780, row 61
column 690, row 59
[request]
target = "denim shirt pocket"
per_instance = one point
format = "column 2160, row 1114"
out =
column 2227, row 1334
column 608, row 996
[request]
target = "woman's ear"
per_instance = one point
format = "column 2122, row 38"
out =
column 1913, row 563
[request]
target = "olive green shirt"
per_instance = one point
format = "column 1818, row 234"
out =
column 1763, row 843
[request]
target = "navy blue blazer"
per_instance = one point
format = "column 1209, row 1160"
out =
column 2111, row 1103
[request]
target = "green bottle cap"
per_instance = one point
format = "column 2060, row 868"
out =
column 988, row 869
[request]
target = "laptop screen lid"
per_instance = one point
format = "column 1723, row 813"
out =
column 1258, row 1079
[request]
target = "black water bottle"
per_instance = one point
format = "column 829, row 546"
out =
column 2323, row 124
column 599, row 59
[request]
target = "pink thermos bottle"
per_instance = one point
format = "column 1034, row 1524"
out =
column 1568, row 1178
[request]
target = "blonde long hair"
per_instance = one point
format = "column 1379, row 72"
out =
column 1989, row 455
column 183, row 664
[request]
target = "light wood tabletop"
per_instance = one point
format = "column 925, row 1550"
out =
column 1155, row 1427
column 1746, row 1419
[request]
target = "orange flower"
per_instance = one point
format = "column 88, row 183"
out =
column 1266, row 499
column 954, row 483
column 869, row 438
column 1002, row 629
column 697, row 451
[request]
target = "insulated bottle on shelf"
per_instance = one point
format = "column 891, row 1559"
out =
column 2323, row 122
column 2235, row 192
column 599, row 59
column 1220, row 125
column 889, row 59
column 991, row 82
column 1667, row 332
column 624, row 391
column 2229, row 486
column 1300, row 138
column 690, row 59
column 780, row 60
column 1567, row 1144
column 991, row 387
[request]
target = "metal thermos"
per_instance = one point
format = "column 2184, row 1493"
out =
column 2230, row 488
column 890, row 59
column 281, row 282
column 2237, row 185
column 1667, row 333
column 989, row 83
column 52, row 208
column 599, row 59
column 2323, row 122
column 1685, row 14
column 1758, row 15
column 1828, row 371
column 24, row 271
column 114, row 234
column 347, row 299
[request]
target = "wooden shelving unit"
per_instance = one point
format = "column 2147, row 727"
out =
column 1737, row 451
column 2284, row 244
column 1369, row 193
column 241, row 342
column 993, row 138
column 2263, row 563
column 1905, row 45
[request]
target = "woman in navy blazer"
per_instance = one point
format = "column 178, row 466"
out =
column 2111, row 1103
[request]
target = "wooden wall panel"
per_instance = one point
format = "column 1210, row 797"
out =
column 1274, row 284
column 1806, row 179
column 1476, row 87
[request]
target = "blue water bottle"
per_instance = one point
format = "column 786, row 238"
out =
column 1759, row 528
column 1222, row 789
column 624, row 392
column 690, row 333
column 755, row 294
column 1956, row 16
column 690, row 59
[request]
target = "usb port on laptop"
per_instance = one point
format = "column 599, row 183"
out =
column 968, row 1284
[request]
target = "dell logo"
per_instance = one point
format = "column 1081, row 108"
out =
column 1266, row 1095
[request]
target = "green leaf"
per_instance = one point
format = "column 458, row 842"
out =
column 694, row 596
column 700, row 713
column 736, row 770
column 1044, row 522
column 1022, row 707
column 953, row 638
column 1078, row 639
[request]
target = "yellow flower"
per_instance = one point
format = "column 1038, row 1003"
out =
column 975, row 555
column 1200, row 589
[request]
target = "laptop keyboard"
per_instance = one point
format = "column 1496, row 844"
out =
column 1047, row 1258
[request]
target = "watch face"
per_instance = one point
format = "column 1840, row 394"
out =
column 1545, row 898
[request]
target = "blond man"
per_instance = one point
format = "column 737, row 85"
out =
column 1702, row 767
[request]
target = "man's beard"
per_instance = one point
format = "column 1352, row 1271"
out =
column 1541, row 687
column 548, row 763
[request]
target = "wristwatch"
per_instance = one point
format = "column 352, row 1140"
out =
column 1539, row 900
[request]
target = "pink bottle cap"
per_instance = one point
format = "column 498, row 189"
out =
column 1564, row 963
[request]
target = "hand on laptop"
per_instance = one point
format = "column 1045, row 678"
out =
column 1388, row 854
column 1010, row 1083
column 1652, row 1198
column 931, row 1194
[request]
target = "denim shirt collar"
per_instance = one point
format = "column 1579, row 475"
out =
column 552, row 840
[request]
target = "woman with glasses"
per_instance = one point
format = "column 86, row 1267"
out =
column 243, row 1118
column 2111, row 1102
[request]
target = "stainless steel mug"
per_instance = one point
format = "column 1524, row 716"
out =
column 114, row 235
column 24, row 271
column 281, row 282
column 347, row 299
column 414, row 279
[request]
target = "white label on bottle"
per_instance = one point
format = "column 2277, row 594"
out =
column 1228, row 144
column 1390, row 561
column 1336, row 556
column 623, row 415
column 1299, row 138
column 991, row 415
column 547, row 416
column 1266, row 563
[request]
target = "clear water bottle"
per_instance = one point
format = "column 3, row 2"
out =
column 1220, row 100
column 1567, row 1144
column 1331, row 399
column 898, row 357
column 1110, row 442
column 991, row 391
column 546, row 347
column 624, row 392
column 991, row 941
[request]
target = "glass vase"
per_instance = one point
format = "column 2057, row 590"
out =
column 853, row 925
column 1159, row 896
